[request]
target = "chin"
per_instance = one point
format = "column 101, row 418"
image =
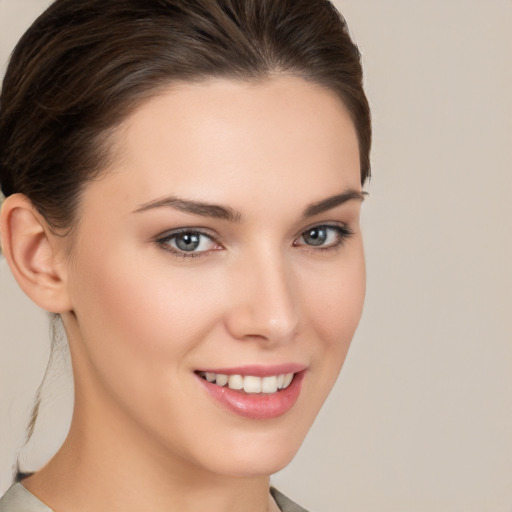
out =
column 257, row 454
column 265, row 464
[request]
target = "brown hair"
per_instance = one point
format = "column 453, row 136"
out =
column 82, row 67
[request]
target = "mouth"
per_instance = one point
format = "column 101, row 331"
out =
column 254, row 392
column 250, row 384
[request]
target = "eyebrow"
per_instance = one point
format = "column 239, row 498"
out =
column 333, row 201
column 231, row 215
column 195, row 207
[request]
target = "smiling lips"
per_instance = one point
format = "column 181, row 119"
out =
column 255, row 392
column 250, row 383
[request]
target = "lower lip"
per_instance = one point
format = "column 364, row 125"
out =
column 257, row 406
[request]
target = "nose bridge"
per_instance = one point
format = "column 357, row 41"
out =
column 266, row 305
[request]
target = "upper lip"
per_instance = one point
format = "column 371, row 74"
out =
column 258, row 370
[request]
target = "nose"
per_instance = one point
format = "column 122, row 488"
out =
column 264, row 306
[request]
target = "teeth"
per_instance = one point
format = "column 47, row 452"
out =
column 235, row 382
column 287, row 380
column 221, row 379
column 269, row 384
column 250, row 383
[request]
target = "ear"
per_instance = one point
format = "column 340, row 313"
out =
column 34, row 253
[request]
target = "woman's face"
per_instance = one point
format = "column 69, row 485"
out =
column 222, row 245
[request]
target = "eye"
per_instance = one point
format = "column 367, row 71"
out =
column 187, row 243
column 324, row 237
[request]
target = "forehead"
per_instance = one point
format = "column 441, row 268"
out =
column 210, row 139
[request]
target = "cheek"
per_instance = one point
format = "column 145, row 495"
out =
column 336, row 295
column 333, row 309
column 144, row 308
column 138, row 322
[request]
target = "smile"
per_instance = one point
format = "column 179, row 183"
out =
column 255, row 392
column 250, row 383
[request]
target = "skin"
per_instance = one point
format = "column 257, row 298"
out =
column 141, row 319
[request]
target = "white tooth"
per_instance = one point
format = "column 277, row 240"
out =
column 269, row 384
column 280, row 381
column 252, row 384
column 287, row 380
column 210, row 377
column 222, row 379
column 235, row 382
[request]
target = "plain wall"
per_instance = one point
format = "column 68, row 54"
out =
column 421, row 417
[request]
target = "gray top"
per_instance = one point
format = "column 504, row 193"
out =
column 19, row 499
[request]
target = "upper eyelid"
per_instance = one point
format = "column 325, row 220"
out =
column 178, row 231
column 326, row 224
column 342, row 229
column 210, row 233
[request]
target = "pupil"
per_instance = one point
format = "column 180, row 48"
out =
column 316, row 236
column 187, row 241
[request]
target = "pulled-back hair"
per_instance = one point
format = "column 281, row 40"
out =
column 83, row 66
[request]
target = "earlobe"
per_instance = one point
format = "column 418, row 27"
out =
column 33, row 254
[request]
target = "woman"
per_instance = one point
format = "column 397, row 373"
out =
column 183, row 183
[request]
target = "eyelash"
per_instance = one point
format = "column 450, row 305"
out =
column 343, row 233
column 163, row 242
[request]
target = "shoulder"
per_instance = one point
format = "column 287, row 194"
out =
column 285, row 504
column 19, row 499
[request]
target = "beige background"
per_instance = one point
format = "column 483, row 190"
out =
column 421, row 418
